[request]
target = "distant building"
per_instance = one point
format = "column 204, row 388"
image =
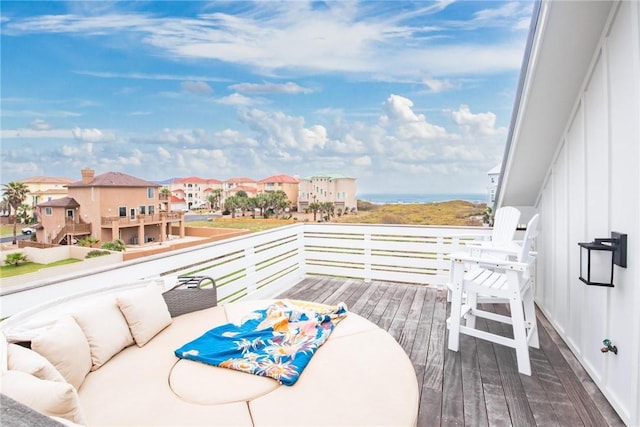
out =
column 286, row 183
column 494, row 177
column 335, row 188
column 45, row 188
column 195, row 191
column 232, row 186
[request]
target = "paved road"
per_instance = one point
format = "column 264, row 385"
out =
column 198, row 217
column 187, row 218
column 9, row 238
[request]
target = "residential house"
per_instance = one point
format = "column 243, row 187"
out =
column 573, row 156
column 335, row 188
column 106, row 207
column 45, row 188
column 232, row 185
column 285, row 183
column 194, row 190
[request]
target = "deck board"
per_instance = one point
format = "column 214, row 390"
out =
column 479, row 385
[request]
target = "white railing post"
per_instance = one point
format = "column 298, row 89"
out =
column 367, row 257
column 250, row 268
column 302, row 256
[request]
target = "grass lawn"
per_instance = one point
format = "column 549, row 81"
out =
column 30, row 267
column 255, row 225
column 7, row 229
column 455, row 213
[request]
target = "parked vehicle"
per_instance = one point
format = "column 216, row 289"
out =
column 28, row 230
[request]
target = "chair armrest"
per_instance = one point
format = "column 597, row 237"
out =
column 490, row 263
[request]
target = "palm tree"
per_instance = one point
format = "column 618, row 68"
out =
column 231, row 204
column 214, row 198
column 279, row 201
column 15, row 193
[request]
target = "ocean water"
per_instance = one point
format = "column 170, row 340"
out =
column 389, row 198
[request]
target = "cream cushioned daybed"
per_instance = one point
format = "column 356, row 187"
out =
column 359, row 377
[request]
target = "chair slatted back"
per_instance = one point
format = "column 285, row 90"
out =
column 505, row 224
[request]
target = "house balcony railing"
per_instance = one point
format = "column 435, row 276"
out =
column 261, row 265
column 107, row 221
column 72, row 229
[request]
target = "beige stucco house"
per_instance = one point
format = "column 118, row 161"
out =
column 110, row 206
column 285, row 183
column 335, row 188
column 45, row 188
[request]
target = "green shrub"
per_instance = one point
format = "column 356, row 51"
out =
column 88, row 241
column 117, row 245
column 15, row 259
column 97, row 253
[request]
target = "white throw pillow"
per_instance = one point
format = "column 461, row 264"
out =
column 52, row 398
column 146, row 312
column 106, row 330
column 22, row 359
column 66, row 347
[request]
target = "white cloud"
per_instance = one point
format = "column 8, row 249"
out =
column 360, row 38
column 164, row 153
column 196, row 87
column 237, row 99
column 363, row 161
column 438, row 85
column 479, row 124
column 39, row 124
column 92, row 135
column 77, row 150
column 398, row 115
column 288, row 88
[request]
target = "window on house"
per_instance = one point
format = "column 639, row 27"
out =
column 48, row 211
column 150, row 192
column 70, row 213
column 151, row 209
column 132, row 213
column 142, row 210
column 122, row 211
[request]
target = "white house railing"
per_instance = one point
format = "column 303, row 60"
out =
column 261, row 265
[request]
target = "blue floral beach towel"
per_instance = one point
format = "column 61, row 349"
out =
column 276, row 342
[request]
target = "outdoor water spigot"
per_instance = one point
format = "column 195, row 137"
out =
column 608, row 347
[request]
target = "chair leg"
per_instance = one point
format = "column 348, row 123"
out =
column 530, row 318
column 472, row 302
column 456, row 307
column 520, row 336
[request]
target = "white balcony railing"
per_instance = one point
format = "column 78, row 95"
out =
column 263, row 264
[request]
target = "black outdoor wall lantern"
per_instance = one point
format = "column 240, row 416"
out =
column 598, row 258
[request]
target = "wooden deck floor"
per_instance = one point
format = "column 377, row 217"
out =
column 479, row 385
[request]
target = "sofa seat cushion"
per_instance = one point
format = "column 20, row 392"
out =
column 187, row 378
column 362, row 379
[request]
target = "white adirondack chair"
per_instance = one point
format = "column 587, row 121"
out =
column 508, row 276
column 504, row 228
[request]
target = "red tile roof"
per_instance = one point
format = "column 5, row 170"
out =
column 114, row 179
column 63, row 202
column 46, row 180
column 240, row 179
column 279, row 178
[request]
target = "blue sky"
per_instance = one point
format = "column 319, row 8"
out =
column 407, row 97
